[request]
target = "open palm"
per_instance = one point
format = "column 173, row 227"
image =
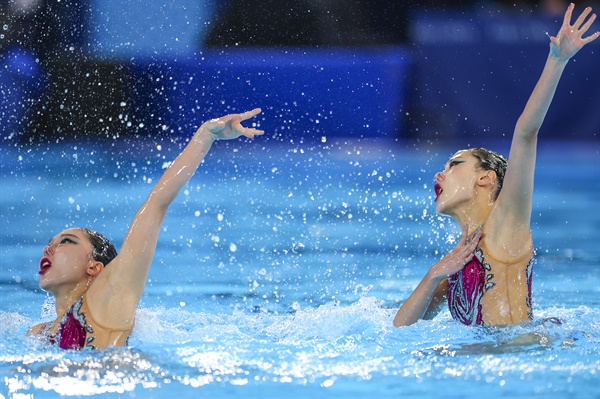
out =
column 569, row 39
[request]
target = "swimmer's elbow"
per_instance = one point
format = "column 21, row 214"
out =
column 398, row 325
column 400, row 321
column 526, row 130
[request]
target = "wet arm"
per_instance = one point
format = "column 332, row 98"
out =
column 141, row 239
column 563, row 47
column 126, row 276
column 424, row 303
column 516, row 195
column 426, row 300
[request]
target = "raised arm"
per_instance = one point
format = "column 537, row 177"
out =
column 563, row 47
column 514, row 204
column 118, row 289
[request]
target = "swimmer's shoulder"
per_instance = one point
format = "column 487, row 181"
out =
column 506, row 240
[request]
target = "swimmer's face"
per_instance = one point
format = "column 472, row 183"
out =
column 455, row 185
column 65, row 261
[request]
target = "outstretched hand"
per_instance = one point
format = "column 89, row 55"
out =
column 230, row 126
column 457, row 259
column 569, row 39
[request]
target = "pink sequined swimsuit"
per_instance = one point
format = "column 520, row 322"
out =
column 77, row 329
column 466, row 288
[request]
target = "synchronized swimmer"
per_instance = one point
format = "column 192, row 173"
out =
column 486, row 279
column 97, row 290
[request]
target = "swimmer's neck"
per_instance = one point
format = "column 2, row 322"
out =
column 66, row 296
column 474, row 216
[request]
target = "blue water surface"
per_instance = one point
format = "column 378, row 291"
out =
column 280, row 267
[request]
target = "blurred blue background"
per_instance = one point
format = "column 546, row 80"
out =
column 426, row 70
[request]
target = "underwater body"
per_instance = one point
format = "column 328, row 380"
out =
column 280, row 267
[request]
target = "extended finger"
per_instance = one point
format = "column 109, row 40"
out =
column 568, row 13
column 251, row 132
column 590, row 38
column 465, row 232
column 256, row 131
column 587, row 25
column 250, row 114
column 472, row 246
column 582, row 17
column 468, row 259
column 462, row 262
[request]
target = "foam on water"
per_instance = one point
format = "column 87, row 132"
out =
column 328, row 346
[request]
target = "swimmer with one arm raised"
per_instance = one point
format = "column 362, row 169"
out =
column 97, row 290
column 486, row 278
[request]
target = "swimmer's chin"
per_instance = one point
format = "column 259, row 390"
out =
column 439, row 209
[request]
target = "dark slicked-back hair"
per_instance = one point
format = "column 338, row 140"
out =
column 491, row 160
column 104, row 251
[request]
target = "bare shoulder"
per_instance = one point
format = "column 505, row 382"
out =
column 111, row 303
column 506, row 238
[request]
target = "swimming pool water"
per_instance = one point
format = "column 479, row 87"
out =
column 280, row 267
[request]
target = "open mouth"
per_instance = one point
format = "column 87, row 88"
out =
column 438, row 190
column 45, row 265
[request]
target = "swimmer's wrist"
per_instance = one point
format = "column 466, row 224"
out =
column 205, row 135
column 434, row 276
column 557, row 60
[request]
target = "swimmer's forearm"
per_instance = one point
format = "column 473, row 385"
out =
column 533, row 115
column 417, row 304
column 177, row 175
column 140, row 242
column 183, row 167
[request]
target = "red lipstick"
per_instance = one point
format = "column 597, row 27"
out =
column 45, row 265
column 438, row 190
